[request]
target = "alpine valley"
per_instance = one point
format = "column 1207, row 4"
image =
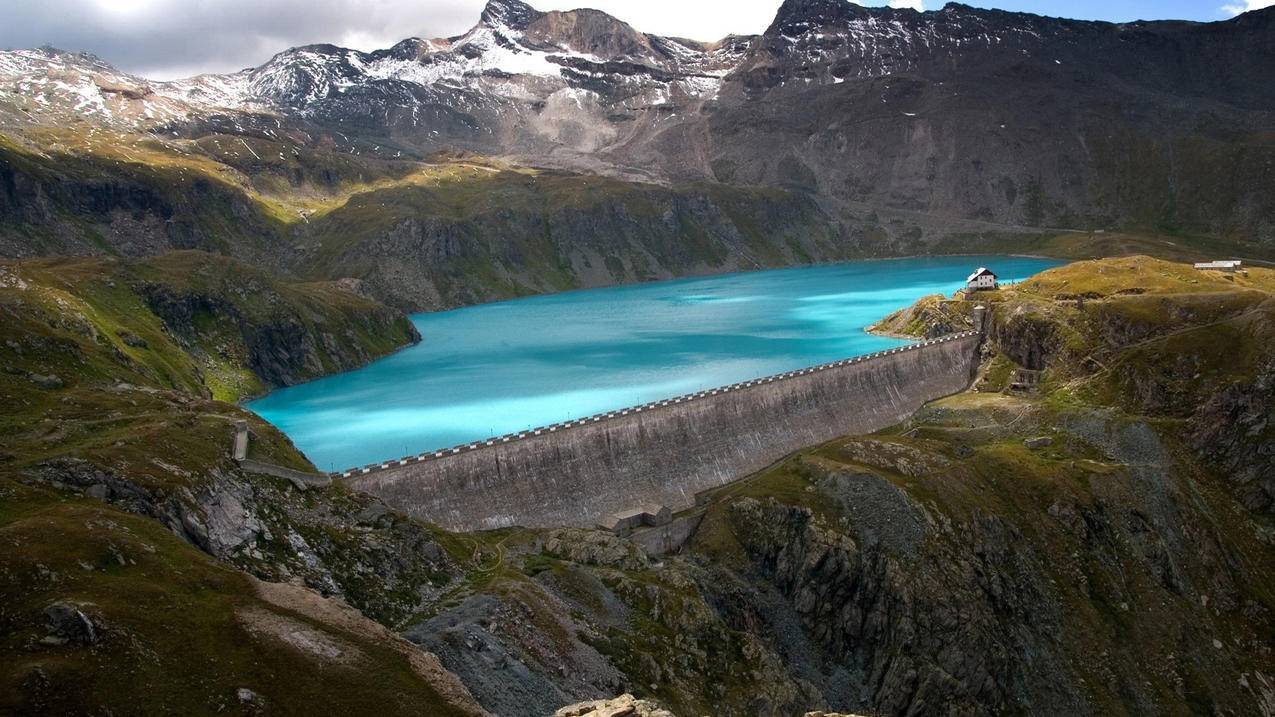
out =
column 1089, row 529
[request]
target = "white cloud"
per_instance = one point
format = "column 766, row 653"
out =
column 917, row 5
column 1236, row 9
column 163, row 39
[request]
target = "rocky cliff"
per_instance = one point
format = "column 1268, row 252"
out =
column 133, row 534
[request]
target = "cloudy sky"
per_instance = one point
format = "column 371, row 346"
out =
column 175, row 38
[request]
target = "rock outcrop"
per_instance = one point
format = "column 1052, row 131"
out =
column 622, row 706
column 1235, row 433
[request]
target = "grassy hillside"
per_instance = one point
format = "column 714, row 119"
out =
column 1122, row 566
column 101, row 356
column 187, row 321
column 451, row 230
column 456, row 229
column 1138, row 333
column 157, row 626
column 126, row 518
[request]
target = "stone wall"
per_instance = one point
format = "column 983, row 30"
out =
column 239, row 451
column 300, row 479
column 663, row 453
column 666, row 539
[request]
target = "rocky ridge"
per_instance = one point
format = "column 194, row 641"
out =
column 914, row 126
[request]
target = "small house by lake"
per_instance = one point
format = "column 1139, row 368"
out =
column 982, row 280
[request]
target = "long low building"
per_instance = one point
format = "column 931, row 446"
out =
column 1225, row 265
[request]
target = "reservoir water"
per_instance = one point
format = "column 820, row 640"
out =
column 498, row 368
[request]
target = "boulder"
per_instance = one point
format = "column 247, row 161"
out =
column 590, row 547
column 68, row 623
column 50, row 381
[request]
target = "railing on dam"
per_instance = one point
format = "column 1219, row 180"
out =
column 626, row 412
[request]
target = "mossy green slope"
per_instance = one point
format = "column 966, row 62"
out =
column 187, row 321
column 105, row 359
column 175, row 631
column 107, row 386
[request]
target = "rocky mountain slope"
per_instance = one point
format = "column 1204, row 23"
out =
column 452, row 231
column 1102, row 545
column 124, row 519
column 1006, row 117
column 915, row 132
column 1088, row 531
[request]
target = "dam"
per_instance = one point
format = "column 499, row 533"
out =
column 645, row 395
column 579, row 473
column 505, row 367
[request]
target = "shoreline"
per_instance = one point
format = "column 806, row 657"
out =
column 874, row 331
column 409, row 316
column 735, row 272
column 243, row 401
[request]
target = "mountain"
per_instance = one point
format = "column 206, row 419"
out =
column 905, row 128
column 1009, row 117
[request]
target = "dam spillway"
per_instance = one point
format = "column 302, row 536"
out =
column 664, row 453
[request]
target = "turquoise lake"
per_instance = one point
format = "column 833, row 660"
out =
column 498, row 368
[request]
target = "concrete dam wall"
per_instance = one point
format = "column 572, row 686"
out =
column 663, row 453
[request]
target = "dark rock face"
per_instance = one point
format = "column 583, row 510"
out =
column 926, row 644
column 511, row 13
column 68, row 623
column 384, row 565
column 524, row 235
column 281, row 349
column 508, row 661
column 882, row 512
column 76, row 206
column 1028, row 338
column 220, row 522
column 1235, row 433
column 891, row 600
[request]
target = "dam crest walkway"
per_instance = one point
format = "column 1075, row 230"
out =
column 625, row 412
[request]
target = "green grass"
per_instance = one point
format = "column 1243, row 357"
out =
column 136, row 387
column 1151, row 336
column 1092, row 245
column 178, row 630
